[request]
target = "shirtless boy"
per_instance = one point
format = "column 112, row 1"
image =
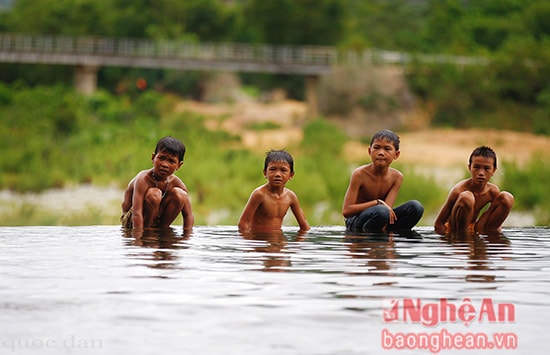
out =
column 269, row 203
column 468, row 197
column 155, row 197
column 373, row 189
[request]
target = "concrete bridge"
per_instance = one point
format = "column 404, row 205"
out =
column 87, row 54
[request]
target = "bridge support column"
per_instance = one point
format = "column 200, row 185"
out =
column 312, row 101
column 85, row 78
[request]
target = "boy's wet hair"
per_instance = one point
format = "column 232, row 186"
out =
column 279, row 155
column 386, row 135
column 486, row 152
column 172, row 146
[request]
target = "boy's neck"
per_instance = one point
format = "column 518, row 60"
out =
column 379, row 170
column 156, row 177
column 275, row 189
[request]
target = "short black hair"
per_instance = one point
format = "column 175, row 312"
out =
column 486, row 152
column 388, row 135
column 172, row 146
column 279, row 155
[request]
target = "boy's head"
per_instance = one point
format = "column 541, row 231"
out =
column 279, row 156
column 485, row 152
column 386, row 135
column 172, row 146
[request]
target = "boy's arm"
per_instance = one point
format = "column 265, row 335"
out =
column 445, row 212
column 350, row 207
column 140, row 188
column 299, row 214
column 392, row 196
column 252, row 205
column 187, row 213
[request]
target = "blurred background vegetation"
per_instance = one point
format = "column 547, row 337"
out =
column 52, row 136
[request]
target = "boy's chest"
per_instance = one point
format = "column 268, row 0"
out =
column 276, row 205
column 373, row 189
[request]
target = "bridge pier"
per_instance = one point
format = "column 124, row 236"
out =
column 85, row 78
column 312, row 101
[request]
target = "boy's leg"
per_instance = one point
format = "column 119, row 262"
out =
column 151, row 206
column 171, row 206
column 373, row 219
column 462, row 213
column 408, row 215
column 494, row 217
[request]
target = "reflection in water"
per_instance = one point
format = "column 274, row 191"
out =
column 162, row 241
column 377, row 248
column 276, row 256
column 115, row 289
column 480, row 249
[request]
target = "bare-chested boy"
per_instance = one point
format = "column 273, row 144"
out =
column 156, row 196
column 269, row 203
column 468, row 197
column 373, row 189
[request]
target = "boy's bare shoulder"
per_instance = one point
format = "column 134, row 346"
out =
column 394, row 173
column 493, row 188
column 140, row 176
column 360, row 170
column 462, row 185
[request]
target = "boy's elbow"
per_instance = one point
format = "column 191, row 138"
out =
column 346, row 212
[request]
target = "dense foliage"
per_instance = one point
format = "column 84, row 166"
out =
column 513, row 34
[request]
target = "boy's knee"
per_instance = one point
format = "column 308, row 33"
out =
column 505, row 198
column 466, row 199
column 153, row 196
column 417, row 207
column 178, row 195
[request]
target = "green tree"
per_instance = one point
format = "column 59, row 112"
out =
column 316, row 22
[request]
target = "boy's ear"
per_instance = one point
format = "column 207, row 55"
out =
column 397, row 154
column 179, row 165
column 291, row 175
column 153, row 156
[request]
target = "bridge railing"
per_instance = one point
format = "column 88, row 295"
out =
column 261, row 54
column 123, row 47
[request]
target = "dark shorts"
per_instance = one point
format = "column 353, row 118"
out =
column 375, row 218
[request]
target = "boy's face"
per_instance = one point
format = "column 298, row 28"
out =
column 482, row 169
column 278, row 173
column 165, row 164
column 382, row 152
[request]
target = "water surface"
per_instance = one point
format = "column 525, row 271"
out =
column 99, row 290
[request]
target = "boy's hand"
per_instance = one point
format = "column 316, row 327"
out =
column 439, row 228
column 393, row 217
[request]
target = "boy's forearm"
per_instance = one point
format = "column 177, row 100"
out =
column 137, row 220
column 188, row 221
column 354, row 209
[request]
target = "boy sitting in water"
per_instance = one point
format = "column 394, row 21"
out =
column 468, row 197
column 269, row 203
column 373, row 189
column 155, row 197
